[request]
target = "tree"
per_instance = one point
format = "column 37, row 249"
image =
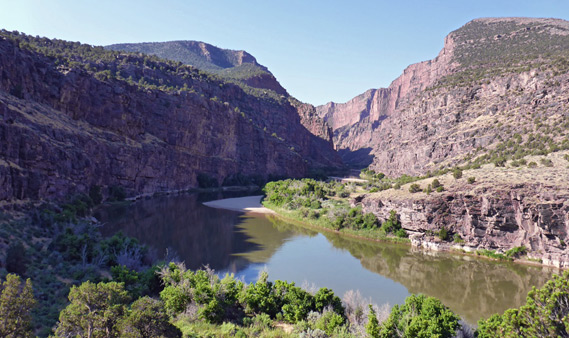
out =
column 16, row 303
column 422, row 317
column 545, row 314
column 372, row 326
column 147, row 319
column 94, row 310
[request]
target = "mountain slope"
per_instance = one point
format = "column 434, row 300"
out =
column 231, row 65
column 74, row 116
column 495, row 80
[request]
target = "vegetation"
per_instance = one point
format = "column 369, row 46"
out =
column 420, row 316
column 545, row 314
column 324, row 204
column 16, row 303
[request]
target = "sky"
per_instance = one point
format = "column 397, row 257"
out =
column 319, row 50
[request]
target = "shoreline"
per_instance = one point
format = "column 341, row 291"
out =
column 247, row 204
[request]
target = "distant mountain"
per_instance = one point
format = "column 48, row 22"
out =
column 496, row 80
column 232, row 65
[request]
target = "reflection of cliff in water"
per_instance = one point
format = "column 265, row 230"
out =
column 469, row 286
column 199, row 235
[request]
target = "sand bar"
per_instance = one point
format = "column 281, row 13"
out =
column 244, row 204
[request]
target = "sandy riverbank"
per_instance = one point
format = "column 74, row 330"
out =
column 244, row 204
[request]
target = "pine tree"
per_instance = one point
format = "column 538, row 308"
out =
column 372, row 326
column 94, row 310
column 16, row 303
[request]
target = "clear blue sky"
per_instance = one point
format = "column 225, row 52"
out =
column 319, row 50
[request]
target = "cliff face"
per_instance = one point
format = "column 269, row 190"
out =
column 66, row 127
column 492, row 78
column 502, row 209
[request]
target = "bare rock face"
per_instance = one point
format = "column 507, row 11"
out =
column 497, row 218
column 490, row 80
column 64, row 130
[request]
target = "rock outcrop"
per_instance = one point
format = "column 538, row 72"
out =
column 66, row 127
column 501, row 210
column 490, row 81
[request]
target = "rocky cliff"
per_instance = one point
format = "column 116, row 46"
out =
column 73, row 116
column 233, row 66
column 494, row 78
column 502, row 209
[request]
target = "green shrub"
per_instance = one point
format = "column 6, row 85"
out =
column 546, row 162
column 435, row 184
column 471, row 180
column 532, row 164
column 457, row 173
column 457, row 238
column 543, row 315
column 516, row 251
column 443, row 234
column 440, row 189
column 413, row 188
column 420, row 316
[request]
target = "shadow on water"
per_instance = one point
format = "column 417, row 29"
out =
column 197, row 234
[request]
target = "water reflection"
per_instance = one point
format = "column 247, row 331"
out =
column 387, row 273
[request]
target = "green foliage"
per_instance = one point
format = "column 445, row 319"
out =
column 492, row 254
column 94, row 310
column 440, row 189
column 457, row 239
column 413, row 188
column 16, row 303
column 436, row 183
column 219, row 300
column 372, row 325
column 457, row 173
column 546, row 162
column 471, row 180
column 420, row 316
column 147, row 318
column 516, row 251
column 545, row 314
column 443, row 234
column 392, row 225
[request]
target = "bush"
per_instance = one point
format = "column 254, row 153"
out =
column 471, row 180
column 435, row 184
column 440, row 189
column 457, row 173
column 532, row 164
column 443, row 234
column 414, row 188
column 420, row 316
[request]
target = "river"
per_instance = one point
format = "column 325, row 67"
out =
column 245, row 244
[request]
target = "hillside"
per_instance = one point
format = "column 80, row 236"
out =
column 232, row 65
column 73, row 116
column 497, row 91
